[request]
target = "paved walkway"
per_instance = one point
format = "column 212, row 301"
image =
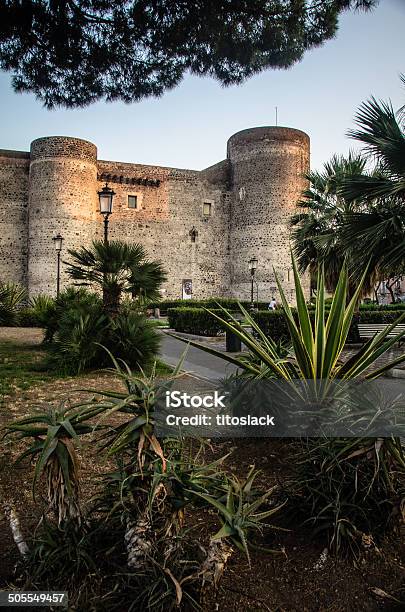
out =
column 202, row 365
column 209, row 367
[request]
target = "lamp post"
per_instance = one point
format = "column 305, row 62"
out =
column 252, row 268
column 105, row 199
column 57, row 240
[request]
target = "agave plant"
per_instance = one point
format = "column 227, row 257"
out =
column 135, row 441
column 138, row 402
column 53, row 435
column 241, row 512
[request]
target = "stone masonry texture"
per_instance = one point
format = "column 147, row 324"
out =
column 252, row 194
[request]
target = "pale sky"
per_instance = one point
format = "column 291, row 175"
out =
column 189, row 126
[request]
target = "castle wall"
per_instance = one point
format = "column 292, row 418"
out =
column 250, row 196
column 62, row 198
column 14, row 176
column 268, row 165
column 170, row 206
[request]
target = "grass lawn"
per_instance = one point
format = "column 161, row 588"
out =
column 21, row 366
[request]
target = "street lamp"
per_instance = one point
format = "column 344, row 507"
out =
column 57, row 240
column 252, row 268
column 105, row 199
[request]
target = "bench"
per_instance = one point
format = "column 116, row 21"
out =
column 368, row 330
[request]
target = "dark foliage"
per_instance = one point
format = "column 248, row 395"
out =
column 194, row 321
column 77, row 328
column 349, row 489
column 74, row 52
column 28, row 318
column 231, row 304
column 274, row 324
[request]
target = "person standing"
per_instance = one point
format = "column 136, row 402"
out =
column 272, row 305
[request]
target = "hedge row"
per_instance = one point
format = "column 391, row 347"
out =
column 380, row 307
column 372, row 307
column 24, row 317
column 28, row 318
column 212, row 303
column 232, row 304
column 194, row 321
column 273, row 323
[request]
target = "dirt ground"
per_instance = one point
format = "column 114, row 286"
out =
column 303, row 578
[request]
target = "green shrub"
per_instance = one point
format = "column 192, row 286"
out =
column 77, row 330
column 211, row 303
column 383, row 307
column 274, row 325
column 11, row 298
column 43, row 308
column 377, row 316
column 194, row 321
column 53, row 312
column 28, row 318
column 133, row 338
column 77, row 340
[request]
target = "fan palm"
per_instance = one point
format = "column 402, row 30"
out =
column 11, row 297
column 116, row 268
column 378, row 230
column 316, row 227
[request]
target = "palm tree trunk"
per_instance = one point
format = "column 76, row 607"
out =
column 111, row 301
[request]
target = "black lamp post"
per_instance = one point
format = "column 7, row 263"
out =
column 57, row 240
column 252, row 268
column 105, row 199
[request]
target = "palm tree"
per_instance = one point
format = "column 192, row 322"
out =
column 116, row 268
column 378, row 228
column 316, row 227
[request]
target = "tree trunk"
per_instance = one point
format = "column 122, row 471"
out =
column 390, row 286
column 376, row 288
column 15, row 526
column 111, row 301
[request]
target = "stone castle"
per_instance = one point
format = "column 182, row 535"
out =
column 204, row 225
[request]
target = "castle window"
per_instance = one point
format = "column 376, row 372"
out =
column 207, row 209
column 133, row 201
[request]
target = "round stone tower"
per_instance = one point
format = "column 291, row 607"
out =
column 62, row 199
column 267, row 175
